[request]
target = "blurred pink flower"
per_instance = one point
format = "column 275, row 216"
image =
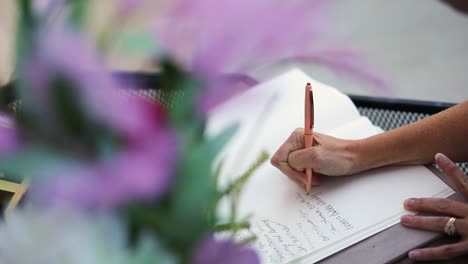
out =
column 345, row 61
column 44, row 6
column 213, row 36
column 9, row 137
column 64, row 54
column 127, row 7
column 141, row 167
column 222, row 88
column 211, row 251
column 142, row 173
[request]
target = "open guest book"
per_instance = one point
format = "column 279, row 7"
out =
column 292, row 226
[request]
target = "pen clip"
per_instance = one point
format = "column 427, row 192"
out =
column 309, row 109
column 311, row 102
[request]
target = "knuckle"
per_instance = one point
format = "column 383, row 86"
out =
column 452, row 169
column 417, row 221
column 301, row 159
column 419, row 203
column 298, row 131
column 432, row 253
column 448, row 251
column 313, row 155
column 441, row 222
column 421, row 222
column 442, row 205
column 275, row 161
column 293, row 160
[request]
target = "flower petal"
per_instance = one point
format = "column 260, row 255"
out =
column 9, row 138
column 211, row 251
column 143, row 173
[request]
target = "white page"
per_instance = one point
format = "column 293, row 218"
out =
column 245, row 111
column 331, row 107
column 361, row 127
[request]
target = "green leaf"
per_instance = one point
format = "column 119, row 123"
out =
column 25, row 39
column 239, row 183
column 26, row 13
column 235, row 188
column 232, row 225
column 155, row 217
column 137, row 43
column 248, row 240
column 78, row 10
column 192, row 196
column 194, row 193
column 75, row 131
column 28, row 162
column 65, row 104
column 149, row 249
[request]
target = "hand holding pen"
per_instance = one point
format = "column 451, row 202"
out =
column 295, row 156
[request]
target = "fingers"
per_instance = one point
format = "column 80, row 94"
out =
column 438, row 223
column 440, row 253
column 433, row 223
column 294, row 142
column 280, row 159
column 301, row 159
column 297, row 176
column 430, row 223
column 436, row 205
column 453, row 172
column 306, row 158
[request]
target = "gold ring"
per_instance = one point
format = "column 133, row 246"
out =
column 449, row 228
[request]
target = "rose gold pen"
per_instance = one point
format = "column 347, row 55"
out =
column 308, row 133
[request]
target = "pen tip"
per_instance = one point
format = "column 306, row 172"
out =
column 308, row 83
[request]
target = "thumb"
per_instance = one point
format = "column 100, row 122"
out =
column 302, row 158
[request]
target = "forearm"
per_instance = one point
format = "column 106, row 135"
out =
column 417, row 143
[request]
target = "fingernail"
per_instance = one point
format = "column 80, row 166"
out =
column 407, row 219
column 414, row 254
column 441, row 159
column 409, row 203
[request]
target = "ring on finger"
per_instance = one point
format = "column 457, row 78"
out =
column 449, row 228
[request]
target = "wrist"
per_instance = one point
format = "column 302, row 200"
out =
column 372, row 152
column 356, row 155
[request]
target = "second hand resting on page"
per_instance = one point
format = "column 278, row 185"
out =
column 416, row 143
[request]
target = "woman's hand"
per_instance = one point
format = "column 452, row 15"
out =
column 329, row 156
column 446, row 207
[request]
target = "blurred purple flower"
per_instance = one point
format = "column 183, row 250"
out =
column 347, row 62
column 45, row 6
column 127, row 7
column 211, row 251
column 213, row 36
column 141, row 167
column 222, row 88
column 9, row 137
column 66, row 54
column 142, row 173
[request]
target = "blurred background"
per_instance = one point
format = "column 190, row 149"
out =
column 419, row 47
